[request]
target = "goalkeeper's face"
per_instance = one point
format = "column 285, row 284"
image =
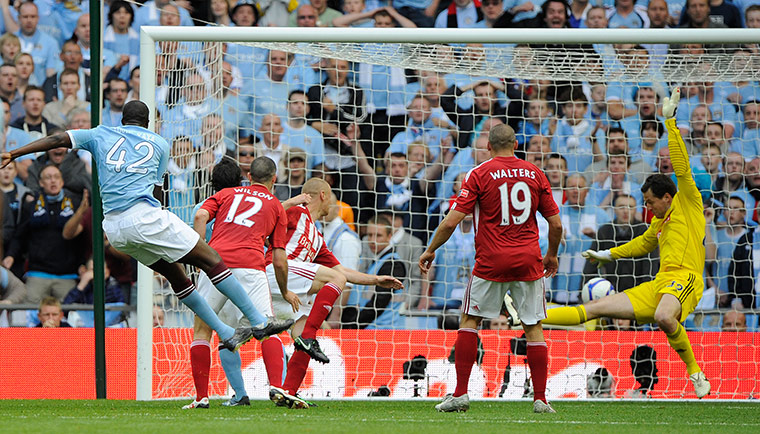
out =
column 658, row 206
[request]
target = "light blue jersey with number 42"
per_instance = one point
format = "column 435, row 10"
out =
column 130, row 161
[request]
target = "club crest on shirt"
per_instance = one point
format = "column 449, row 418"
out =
column 463, row 193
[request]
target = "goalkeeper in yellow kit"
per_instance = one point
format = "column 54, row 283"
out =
column 678, row 228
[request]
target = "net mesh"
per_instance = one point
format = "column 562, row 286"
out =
column 394, row 128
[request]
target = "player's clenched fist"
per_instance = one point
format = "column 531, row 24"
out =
column 670, row 105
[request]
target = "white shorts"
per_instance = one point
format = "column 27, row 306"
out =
column 148, row 234
column 300, row 279
column 484, row 298
column 256, row 287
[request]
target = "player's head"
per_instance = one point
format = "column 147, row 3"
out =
column 658, row 190
column 263, row 171
column 501, row 140
column 320, row 192
column 135, row 113
column 226, row 174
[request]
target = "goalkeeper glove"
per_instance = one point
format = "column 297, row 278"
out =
column 670, row 105
column 601, row 257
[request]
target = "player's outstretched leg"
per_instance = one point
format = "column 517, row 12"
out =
column 208, row 260
column 613, row 306
column 184, row 289
column 667, row 314
column 465, row 353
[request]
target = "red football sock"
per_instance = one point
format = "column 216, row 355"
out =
column 323, row 303
column 274, row 359
column 200, row 361
column 296, row 371
column 538, row 361
column 465, row 353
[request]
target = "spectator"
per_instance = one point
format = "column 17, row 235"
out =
column 72, row 59
column 33, row 123
column 752, row 180
column 150, row 14
column 12, row 289
column 720, row 14
column 367, row 19
column 580, row 221
column 39, row 44
column 556, row 172
column 423, row 127
column 409, row 249
column 273, row 88
column 117, row 97
column 749, row 145
column 271, row 144
column 651, row 133
column 626, row 16
column 356, row 14
column 538, row 120
column 82, row 37
column 452, row 267
column 539, row 147
column 134, row 85
column 617, row 143
column 485, row 105
column 57, row 111
column 293, row 176
column 730, row 285
column 159, row 316
column 186, row 119
column 734, row 321
column 613, row 182
column 701, row 178
column 318, row 11
column 461, row 14
column 25, row 68
column 721, row 109
column 752, row 17
column 421, row 12
column 10, row 48
column 50, row 314
column 246, row 154
column 9, row 90
column 53, row 261
column 83, row 293
column 576, row 137
column 731, row 182
column 180, row 182
column 698, row 120
column 75, row 176
column 15, row 138
column 554, row 15
column 625, row 227
column 645, row 100
column 120, row 38
column 238, row 123
column 579, row 10
column 299, row 134
column 14, row 196
column 377, row 307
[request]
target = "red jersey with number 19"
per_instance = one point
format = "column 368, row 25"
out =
column 503, row 194
column 245, row 218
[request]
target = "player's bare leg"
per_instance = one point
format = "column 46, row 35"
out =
column 538, row 361
column 667, row 316
column 613, row 306
column 465, row 354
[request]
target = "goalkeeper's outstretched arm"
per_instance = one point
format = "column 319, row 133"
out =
column 679, row 156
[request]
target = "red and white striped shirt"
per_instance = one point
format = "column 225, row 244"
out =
column 305, row 243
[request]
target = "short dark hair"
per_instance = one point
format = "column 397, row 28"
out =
column 116, row 6
column 262, row 170
column 382, row 221
column 652, row 124
column 295, row 92
column 67, row 71
column 557, row 156
column 135, row 112
column 617, row 130
column 31, row 88
column 226, row 174
column 659, row 184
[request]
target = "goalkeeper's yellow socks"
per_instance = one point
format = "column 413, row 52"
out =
column 680, row 342
column 569, row 315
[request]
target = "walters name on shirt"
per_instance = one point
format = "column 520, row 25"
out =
column 513, row 173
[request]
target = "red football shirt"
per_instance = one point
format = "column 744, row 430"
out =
column 503, row 194
column 305, row 243
column 245, row 218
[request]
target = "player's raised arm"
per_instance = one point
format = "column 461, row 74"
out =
column 52, row 141
column 679, row 157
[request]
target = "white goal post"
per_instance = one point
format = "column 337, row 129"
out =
column 321, row 40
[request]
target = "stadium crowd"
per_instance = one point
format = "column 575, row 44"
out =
column 394, row 143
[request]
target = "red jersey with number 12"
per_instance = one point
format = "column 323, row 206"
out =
column 503, row 194
column 305, row 242
column 245, row 218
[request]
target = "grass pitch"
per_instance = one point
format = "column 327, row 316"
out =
column 356, row 417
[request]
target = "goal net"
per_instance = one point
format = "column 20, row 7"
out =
column 394, row 127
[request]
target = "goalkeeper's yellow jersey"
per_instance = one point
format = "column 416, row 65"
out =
column 681, row 233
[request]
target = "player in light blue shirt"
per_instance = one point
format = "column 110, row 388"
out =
column 131, row 161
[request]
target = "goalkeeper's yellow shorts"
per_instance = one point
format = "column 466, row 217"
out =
column 684, row 285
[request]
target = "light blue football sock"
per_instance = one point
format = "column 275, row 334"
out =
column 198, row 304
column 231, row 288
column 231, row 364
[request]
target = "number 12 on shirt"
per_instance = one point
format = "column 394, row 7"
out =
column 520, row 204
